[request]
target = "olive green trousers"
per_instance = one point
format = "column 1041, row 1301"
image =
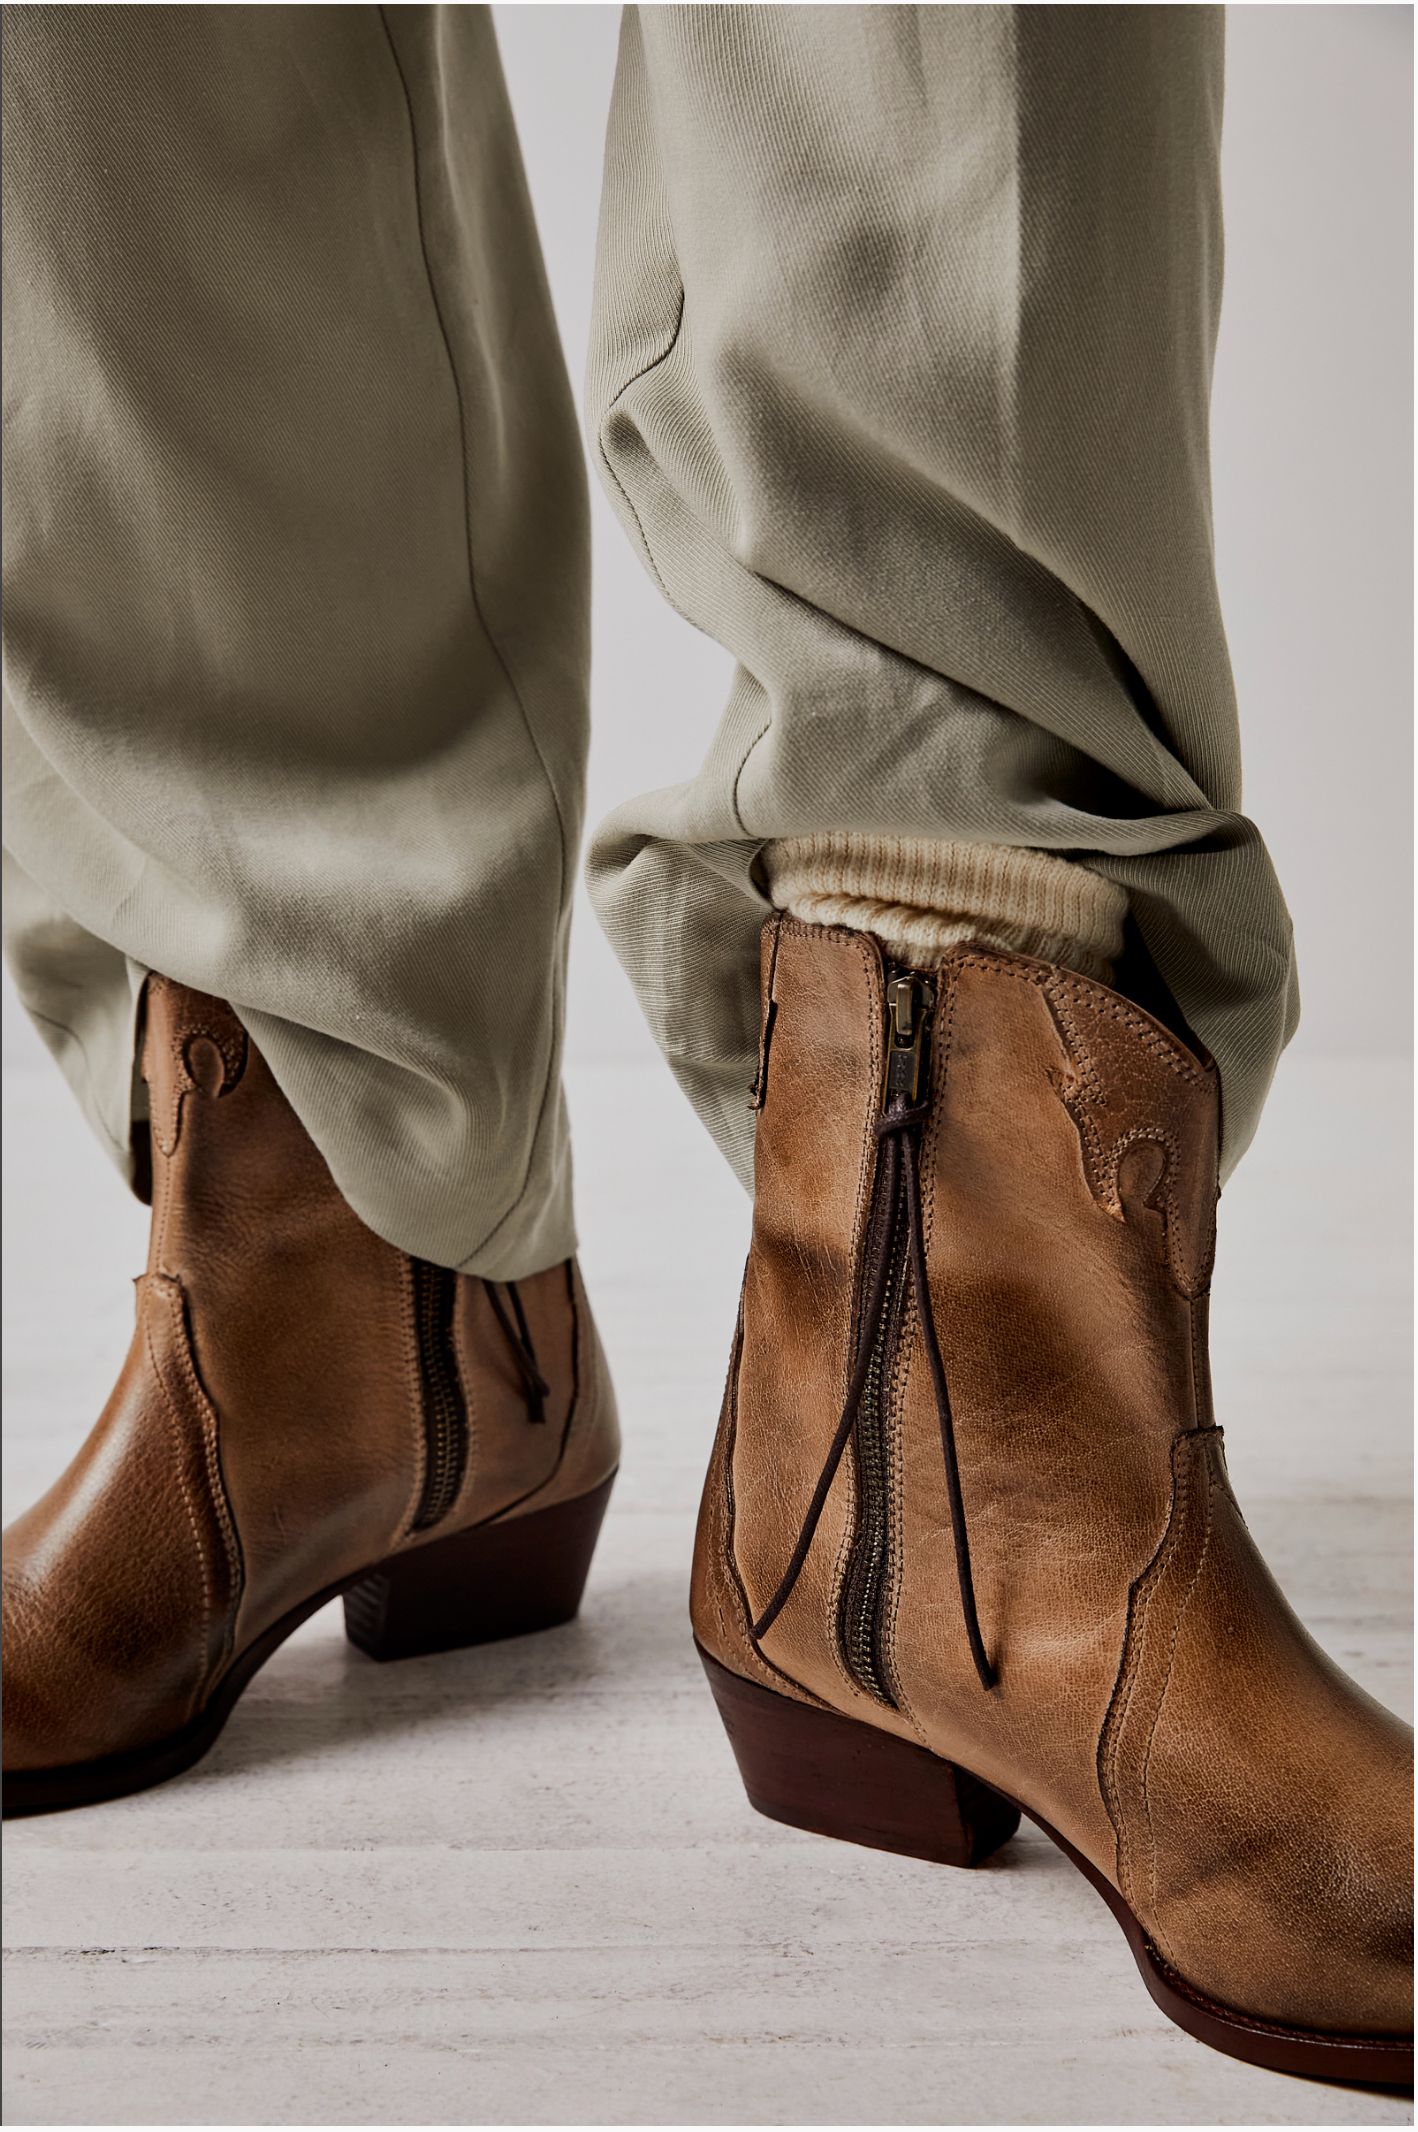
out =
column 899, row 383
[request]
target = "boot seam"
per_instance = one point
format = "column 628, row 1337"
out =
column 216, row 1484
column 175, row 1435
column 739, row 1634
column 1136, row 1643
column 210, row 1429
column 1140, row 1598
column 1157, row 1926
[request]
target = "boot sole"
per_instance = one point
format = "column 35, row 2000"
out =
column 836, row 1776
column 479, row 1586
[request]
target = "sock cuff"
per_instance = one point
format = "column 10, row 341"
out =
column 919, row 897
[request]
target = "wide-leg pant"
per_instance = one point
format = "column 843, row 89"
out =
column 899, row 382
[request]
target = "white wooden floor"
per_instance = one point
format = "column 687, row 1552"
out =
column 521, row 1885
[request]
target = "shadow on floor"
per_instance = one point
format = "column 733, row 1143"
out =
column 631, row 1643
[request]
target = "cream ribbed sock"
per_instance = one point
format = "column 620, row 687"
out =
column 919, row 898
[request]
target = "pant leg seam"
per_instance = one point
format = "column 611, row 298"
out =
column 431, row 281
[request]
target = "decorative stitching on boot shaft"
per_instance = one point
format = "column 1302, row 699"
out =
column 171, row 1079
column 1122, row 1765
column 193, row 1430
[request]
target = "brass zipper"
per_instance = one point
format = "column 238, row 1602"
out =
column 910, row 1002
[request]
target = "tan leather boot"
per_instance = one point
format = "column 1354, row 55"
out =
column 304, row 1411
column 960, row 1559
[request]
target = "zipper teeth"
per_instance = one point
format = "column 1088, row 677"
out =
column 445, row 1416
column 864, row 1590
column 871, row 1542
column 866, row 1582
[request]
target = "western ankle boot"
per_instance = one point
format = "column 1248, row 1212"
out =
column 304, row 1411
column 967, row 1543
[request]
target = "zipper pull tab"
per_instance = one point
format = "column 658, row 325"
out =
column 909, row 1000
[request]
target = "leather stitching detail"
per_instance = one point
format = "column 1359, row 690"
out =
column 1102, row 1163
column 1113, row 1010
column 1205, row 1549
column 1044, row 977
column 174, row 1421
column 211, row 1456
column 1138, row 1641
column 1089, row 1087
column 1134, row 1638
column 227, row 1036
column 1203, row 1413
column 1161, row 1199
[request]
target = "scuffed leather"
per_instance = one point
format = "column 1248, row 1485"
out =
column 1234, row 1738
column 1158, row 1703
column 265, row 1439
column 717, row 1604
column 813, row 1197
column 88, row 1670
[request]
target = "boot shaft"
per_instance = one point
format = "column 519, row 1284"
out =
column 1067, row 1163
column 302, row 1403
